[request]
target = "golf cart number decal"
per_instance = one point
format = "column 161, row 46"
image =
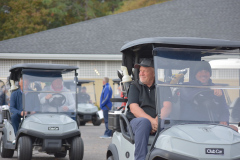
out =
column 214, row 151
column 53, row 128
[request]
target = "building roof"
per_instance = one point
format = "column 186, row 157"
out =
column 218, row 19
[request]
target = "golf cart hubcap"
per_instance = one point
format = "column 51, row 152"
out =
column 18, row 150
column 1, row 147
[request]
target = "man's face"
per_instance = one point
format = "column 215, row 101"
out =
column 103, row 82
column 83, row 90
column 57, row 84
column 26, row 82
column 203, row 76
column 146, row 75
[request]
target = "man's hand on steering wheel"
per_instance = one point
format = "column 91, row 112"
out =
column 218, row 92
column 48, row 96
column 65, row 108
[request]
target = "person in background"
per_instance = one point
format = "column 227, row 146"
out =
column 106, row 105
column 83, row 96
column 2, row 93
column 16, row 107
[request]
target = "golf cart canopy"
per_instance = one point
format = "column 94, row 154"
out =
column 80, row 82
column 135, row 50
column 42, row 67
column 180, row 42
column 116, row 80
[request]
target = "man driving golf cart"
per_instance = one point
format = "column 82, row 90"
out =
column 179, row 136
column 64, row 101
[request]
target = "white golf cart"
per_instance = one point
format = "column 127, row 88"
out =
column 195, row 136
column 86, row 99
column 45, row 127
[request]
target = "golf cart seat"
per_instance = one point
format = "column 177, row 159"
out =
column 6, row 115
column 127, row 132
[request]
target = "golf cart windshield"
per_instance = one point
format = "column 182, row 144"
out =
column 200, row 93
column 86, row 92
column 44, row 92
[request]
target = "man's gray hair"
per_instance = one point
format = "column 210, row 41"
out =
column 106, row 79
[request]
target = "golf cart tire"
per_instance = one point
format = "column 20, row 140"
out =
column 24, row 148
column 110, row 158
column 82, row 123
column 97, row 122
column 60, row 154
column 77, row 149
column 5, row 153
column 112, row 153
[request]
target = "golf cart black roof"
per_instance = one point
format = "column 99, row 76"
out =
column 117, row 80
column 16, row 70
column 181, row 42
column 143, row 48
column 42, row 66
column 81, row 81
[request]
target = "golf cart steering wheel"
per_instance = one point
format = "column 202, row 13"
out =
column 205, row 100
column 57, row 100
column 203, row 97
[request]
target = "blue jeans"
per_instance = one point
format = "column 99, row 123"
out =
column 107, row 132
column 16, row 119
column 141, row 129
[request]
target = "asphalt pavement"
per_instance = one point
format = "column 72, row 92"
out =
column 94, row 147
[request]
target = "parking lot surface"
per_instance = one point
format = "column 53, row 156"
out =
column 94, row 147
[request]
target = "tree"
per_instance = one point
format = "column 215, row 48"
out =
column 135, row 4
column 22, row 17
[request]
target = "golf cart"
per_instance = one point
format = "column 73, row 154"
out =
column 86, row 98
column 45, row 127
column 180, row 136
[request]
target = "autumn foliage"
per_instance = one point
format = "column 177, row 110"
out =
column 22, row 17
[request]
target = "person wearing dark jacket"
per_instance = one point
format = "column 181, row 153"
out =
column 106, row 105
column 203, row 104
column 16, row 105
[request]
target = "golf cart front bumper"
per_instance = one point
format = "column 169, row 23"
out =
column 51, row 143
column 86, row 116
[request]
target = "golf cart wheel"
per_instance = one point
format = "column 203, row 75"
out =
column 110, row 158
column 5, row 153
column 96, row 122
column 76, row 150
column 82, row 123
column 24, row 149
column 60, row 154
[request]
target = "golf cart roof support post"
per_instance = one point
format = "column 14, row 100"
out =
column 75, row 82
column 136, row 71
column 23, row 95
column 94, row 92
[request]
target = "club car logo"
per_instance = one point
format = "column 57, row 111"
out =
column 53, row 128
column 214, row 151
